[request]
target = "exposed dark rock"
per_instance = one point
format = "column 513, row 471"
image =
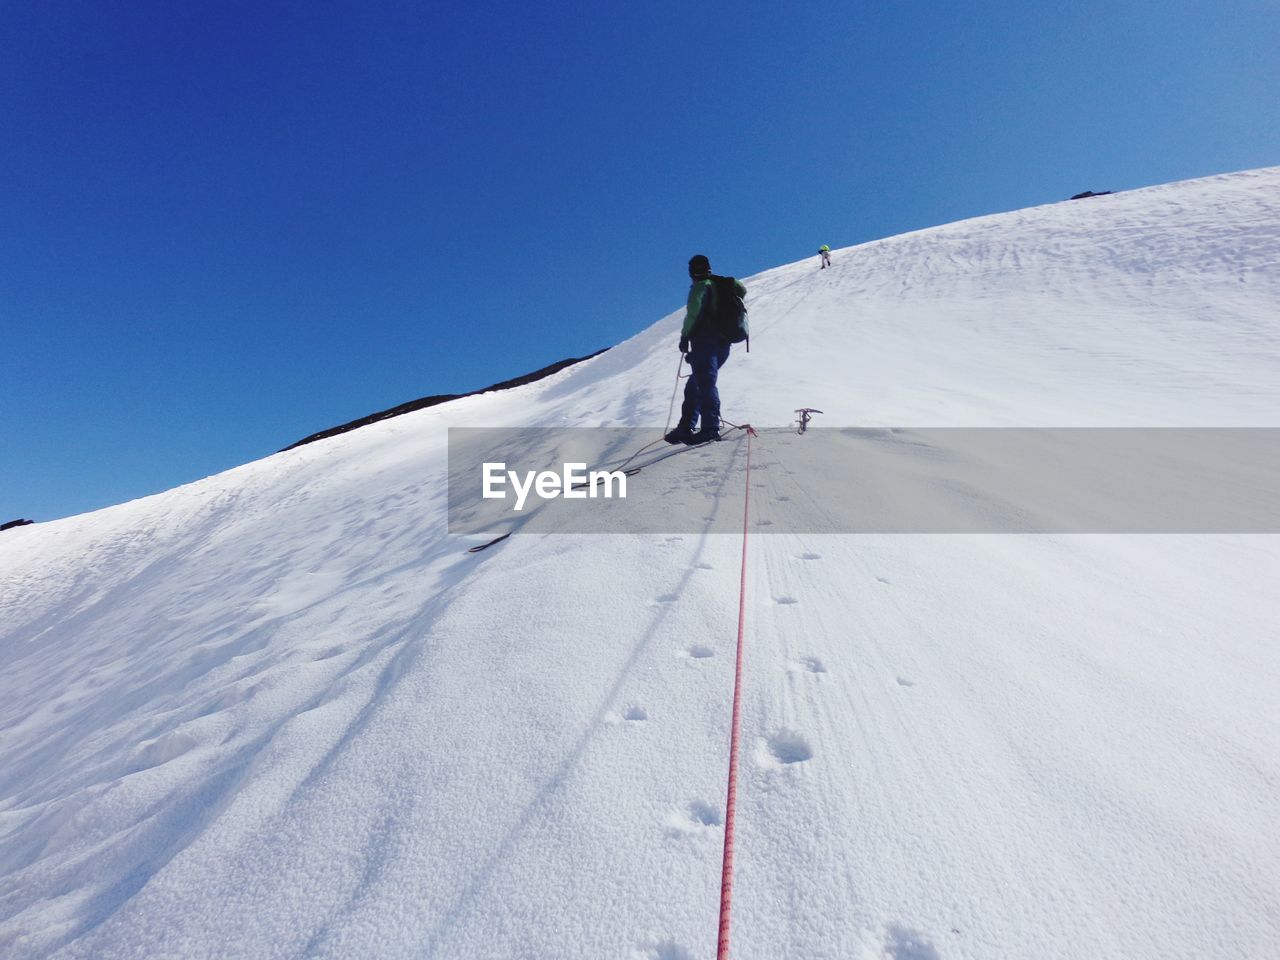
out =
column 424, row 402
column 15, row 523
column 1090, row 193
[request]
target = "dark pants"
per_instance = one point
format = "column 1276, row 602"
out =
column 701, row 398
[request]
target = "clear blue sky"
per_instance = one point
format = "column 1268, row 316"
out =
column 224, row 226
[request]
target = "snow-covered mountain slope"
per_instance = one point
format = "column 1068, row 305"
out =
column 281, row 713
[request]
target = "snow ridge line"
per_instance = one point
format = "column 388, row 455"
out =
column 726, row 872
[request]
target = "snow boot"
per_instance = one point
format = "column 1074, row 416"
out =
column 681, row 434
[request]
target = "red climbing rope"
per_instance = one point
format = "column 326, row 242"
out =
column 726, row 873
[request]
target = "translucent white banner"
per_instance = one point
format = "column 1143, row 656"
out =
column 852, row 480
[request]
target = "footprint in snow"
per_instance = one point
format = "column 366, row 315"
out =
column 785, row 601
column 904, row 682
column 884, row 581
column 666, row 598
column 694, row 818
column 700, row 652
column 667, row 950
column 807, row 665
column 781, row 499
column 703, row 566
column 901, row 943
column 635, row 713
column 809, row 556
column 706, row 814
column 783, row 748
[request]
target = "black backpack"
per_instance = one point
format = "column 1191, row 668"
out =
column 729, row 314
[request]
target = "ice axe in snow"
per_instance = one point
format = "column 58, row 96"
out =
column 806, row 414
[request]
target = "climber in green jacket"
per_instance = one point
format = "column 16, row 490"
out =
column 706, row 350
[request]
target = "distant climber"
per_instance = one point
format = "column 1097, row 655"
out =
column 706, row 343
column 825, row 253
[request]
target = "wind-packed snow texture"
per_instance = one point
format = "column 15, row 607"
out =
column 281, row 713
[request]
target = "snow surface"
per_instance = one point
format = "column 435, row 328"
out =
column 281, row 713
